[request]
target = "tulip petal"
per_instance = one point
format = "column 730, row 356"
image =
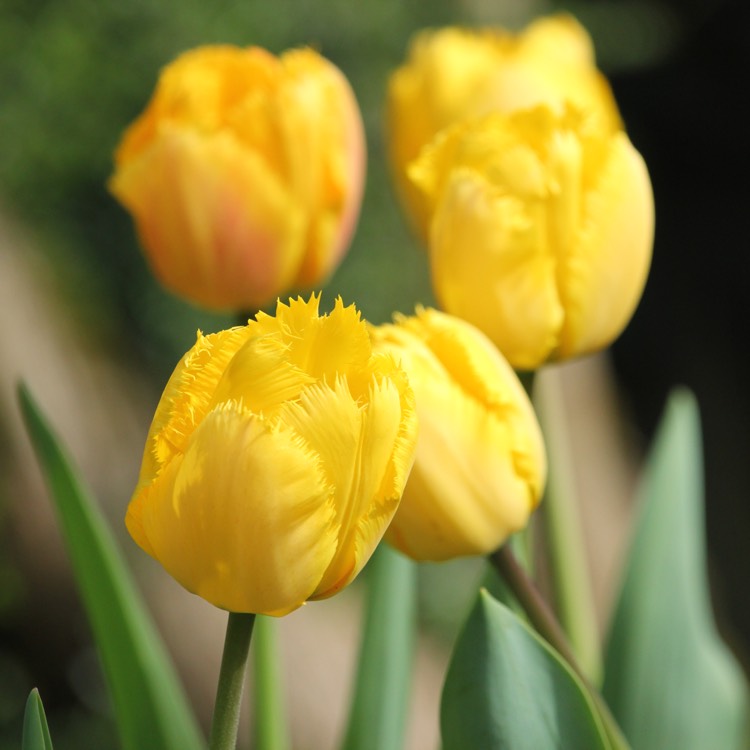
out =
column 559, row 39
column 466, row 356
column 485, row 376
column 455, row 75
column 320, row 346
column 227, row 524
column 463, row 452
column 324, row 153
column 340, row 343
column 244, row 174
column 261, row 377
column 268, row 485
column 356, row 447
column 187, row 398
column 490, row 268
column 220, row 226
column 480, row 464
column 607, row 267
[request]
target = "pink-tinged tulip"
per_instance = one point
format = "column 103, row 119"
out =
column 244, row 175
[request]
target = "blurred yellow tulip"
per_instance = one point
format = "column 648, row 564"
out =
column 480, row 466
column 453, row 74
column 276, row 459
column 542, row 230
column 244, row 175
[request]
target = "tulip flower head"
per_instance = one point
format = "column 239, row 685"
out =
column 276, row 459
column 480, row 465
column 244, row 174
column 541, row 230
column 453, row 74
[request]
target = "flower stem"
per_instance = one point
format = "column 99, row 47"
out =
column 231, row 679
column 547, row 626
column 564, row 534
column 270, row 723
column 532, row 602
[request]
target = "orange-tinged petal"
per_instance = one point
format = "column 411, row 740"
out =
column 319, row 109
column 244, row 174
column 200, row 203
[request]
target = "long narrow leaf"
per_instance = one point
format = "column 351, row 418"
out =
column 149, row 703
column 670, row 680
column 506, row 688
column 379, row 711
column 35, row 730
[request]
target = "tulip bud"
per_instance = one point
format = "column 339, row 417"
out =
column 244, row 175
column 276, row 459
column 453, row 74
column 542, row 230
column 480, row 465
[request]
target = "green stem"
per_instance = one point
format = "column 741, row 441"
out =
column 562, row 526
column 523, row 541
column 542, row 618
column 378, row 715
column 270, row 723
column 532, row 602
column 231, row 680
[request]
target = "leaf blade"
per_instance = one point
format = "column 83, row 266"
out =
column 669, row 678
column 150, row 706
column 378, row 714
column 36, row 734
column 507, row 688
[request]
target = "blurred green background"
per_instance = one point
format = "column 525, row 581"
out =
column 74, row 73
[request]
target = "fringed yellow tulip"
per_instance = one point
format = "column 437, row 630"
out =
column 276, row 459
column 244, row 175
column 453, row 74
column 480, row 466
column 542, row 230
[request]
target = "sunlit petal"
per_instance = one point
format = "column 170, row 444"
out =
column 480, row 465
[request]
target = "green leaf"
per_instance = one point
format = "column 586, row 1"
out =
column 35, row 729
column 150, row 706
column 378, row 715
column 670, row 680
column 506, row 688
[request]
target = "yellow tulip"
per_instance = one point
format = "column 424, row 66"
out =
column 276, row 459
column 453, row 74
column 244, row 174
column 542, row 230
column 480, row 465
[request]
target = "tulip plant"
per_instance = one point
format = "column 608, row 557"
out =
column 285, row 449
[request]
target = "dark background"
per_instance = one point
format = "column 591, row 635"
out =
column 693, row 325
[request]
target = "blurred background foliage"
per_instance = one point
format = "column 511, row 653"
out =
column 74, row 73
